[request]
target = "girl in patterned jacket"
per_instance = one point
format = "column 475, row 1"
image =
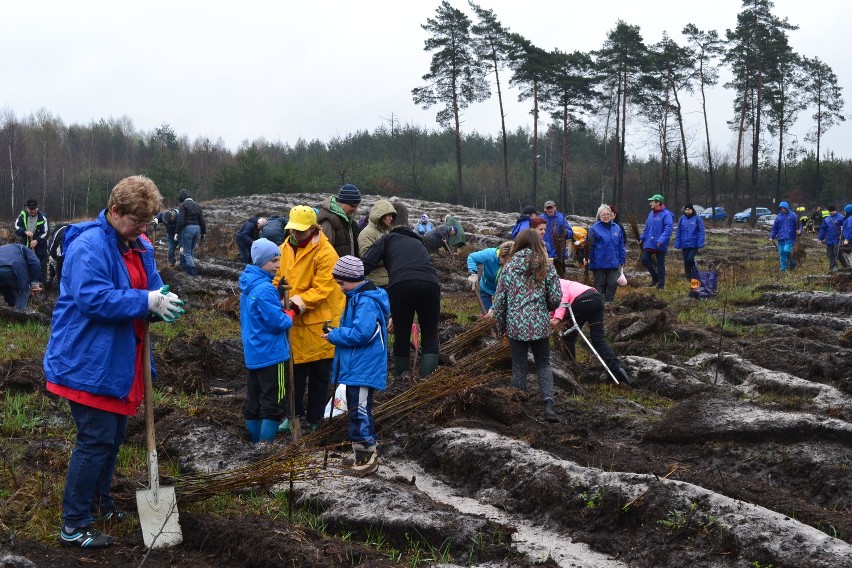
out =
column 527, row 291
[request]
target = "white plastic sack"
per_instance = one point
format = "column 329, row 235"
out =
column 622, row 280
column 339, row 401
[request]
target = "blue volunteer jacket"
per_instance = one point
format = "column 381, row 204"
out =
column 690, row 232
column 829, row 231
column 785, row 227
column 92, row 341
column 490, row 267
column 361, row 341
column 846, row 231
column 606, row 245
column 658, row 230
column 263, row 324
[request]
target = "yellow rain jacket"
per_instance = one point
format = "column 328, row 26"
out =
column 308, row 271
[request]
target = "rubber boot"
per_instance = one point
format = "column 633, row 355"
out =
column 428, row 363
column 400, row 365
column 284, row 426
column 268, row 430
column 253, row 427
column 549, row 413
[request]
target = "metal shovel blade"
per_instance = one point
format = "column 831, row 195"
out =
column 158, row 515
column 157, row 506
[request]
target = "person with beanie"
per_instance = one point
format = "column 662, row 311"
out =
column 32, row 227
column 829, row 235
column 336, row 218
column 264, row 322
column 424, row 226
column 654, row 240
column 785, row 229
column 189, row 230
column 307, row 260
column 360, row 360
column 689, row 237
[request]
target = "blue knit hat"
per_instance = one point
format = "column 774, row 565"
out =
column 848, row 208
column 349, row 194
column 262, row 251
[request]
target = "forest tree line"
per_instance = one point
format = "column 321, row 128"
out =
column 583, row 106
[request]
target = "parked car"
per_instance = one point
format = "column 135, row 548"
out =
column 745, row 215
column 698, row 209
column 768, row 220
column 719, row 214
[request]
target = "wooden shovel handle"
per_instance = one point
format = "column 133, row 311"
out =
column 150, row 437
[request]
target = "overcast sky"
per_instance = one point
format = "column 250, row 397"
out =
column 284, row 70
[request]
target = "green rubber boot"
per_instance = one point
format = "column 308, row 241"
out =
column 428, row 363
column 400, row 365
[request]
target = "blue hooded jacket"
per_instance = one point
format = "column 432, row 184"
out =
column 606, row 245
column 829, row 231
column 92, row 337
column 361, row 341
column 490, row 262
column 690, row 232
column 658, row 230
column 785, row 227
column 263, row 324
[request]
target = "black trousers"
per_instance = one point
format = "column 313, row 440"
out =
column 588, row 307
column 408, row 298
column 265, row 390
column 315, row 378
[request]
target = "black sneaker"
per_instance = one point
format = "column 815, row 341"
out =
column 115, row 516
column 366, row 462
column 85, row 537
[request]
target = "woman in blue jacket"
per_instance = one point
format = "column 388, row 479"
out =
column 607, row 252
column 786, row 229
column 110, row 287
column 360, row 355
column 491, row 260
column 689, row 237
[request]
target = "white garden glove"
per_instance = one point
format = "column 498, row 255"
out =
column 165, row 304
column 473, row 279
column 177, row 236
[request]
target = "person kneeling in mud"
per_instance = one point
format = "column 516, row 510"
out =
column 588, row 307
column 360, row 359
column 527, row 290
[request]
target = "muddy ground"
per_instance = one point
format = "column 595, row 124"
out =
column 731, row 449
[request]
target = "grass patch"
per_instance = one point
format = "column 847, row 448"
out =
column 22, row 340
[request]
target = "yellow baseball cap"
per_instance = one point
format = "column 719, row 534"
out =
column 302, row 218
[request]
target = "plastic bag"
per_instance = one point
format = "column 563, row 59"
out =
column 622, row 280
column 704, row 283
column 339, row 401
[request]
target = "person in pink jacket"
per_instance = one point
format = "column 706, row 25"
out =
column 588, row 307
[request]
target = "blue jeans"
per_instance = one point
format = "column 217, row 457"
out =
column 487, row 300
column 90, row 471
column 172, row 248
column 785, row 247
column 188, row 238
column 362, row 428
column 689, row 261
column 658, row 270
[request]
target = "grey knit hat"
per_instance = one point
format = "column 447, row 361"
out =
column 349, row 269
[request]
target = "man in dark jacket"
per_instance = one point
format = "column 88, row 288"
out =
column 336, row 218
column 273, row 230
column 56, row 252
column 247, row 234
column 413, row 287
column 169, row 219
column 191, row 228
column 31, row 225
column 20, row 271
column 523, row 221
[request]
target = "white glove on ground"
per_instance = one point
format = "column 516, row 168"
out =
column 473, row 279
column 165, row 304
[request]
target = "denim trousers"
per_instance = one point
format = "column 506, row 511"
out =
column 688, row 261
column 88, row 484
column 188, row 240
column 541, row 355
column 487, row 300
column 656, row 270
column 173, row 245
column 359, row 401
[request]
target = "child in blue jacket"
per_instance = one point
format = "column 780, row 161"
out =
column 264, row 323
column 360, row 356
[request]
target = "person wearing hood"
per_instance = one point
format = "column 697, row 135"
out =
column 382, row 216
column 689, row 237
column 846, row 235
column 95, row 355
column 247, row 234
column 190, row 229
column 456, row 240
column 607, row 252
column 424, row 226
column 523, row 221
column 307, row 260
column 336, row 218
column 829, row 235
column 401, row 208
column 360, row 359
column 20, row 273
column 785, row 229
column 527, row 291
column 654, row 240
column 264, row 322
column 414, row 289
column 491, row 260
